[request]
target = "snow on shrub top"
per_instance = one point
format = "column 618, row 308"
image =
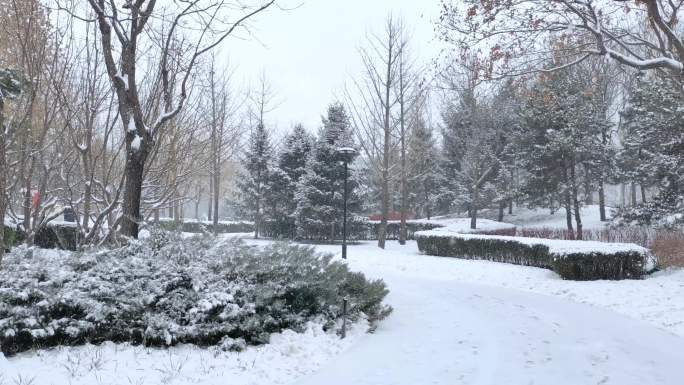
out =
column 558, row 248
column 166, row 290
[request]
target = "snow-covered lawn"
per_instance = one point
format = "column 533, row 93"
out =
column 455, row 322
column 523, row 217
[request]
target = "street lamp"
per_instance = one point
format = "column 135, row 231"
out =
column 346, row 155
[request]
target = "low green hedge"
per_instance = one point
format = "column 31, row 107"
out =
column 597, row 265
column 586, row 262
column 358, row 229
column 205, row 226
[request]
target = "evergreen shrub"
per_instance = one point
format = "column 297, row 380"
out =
column 167, row 290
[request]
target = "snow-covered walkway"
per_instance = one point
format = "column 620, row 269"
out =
column 450, row 333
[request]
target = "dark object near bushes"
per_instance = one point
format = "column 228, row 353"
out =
column 206, row 227
column 57, row 236
column 168, row 290
column 13, row 236
column 619, row 263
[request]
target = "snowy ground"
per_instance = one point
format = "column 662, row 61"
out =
column 535, row 218
column 455, row 322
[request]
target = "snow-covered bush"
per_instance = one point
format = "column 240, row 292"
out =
column 576, row 260
column 167, row 290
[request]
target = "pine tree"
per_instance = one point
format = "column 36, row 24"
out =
column 254, row 180
column 473, row 143
column 295, row 152
column 283, row 180
column 560, row 142
column 423, row 170
column 319, row 194
column 457, row 120
column 653, row 148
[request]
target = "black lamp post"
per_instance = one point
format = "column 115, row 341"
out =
column 346, row 155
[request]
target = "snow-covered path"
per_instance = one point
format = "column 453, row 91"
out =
column 447, row 332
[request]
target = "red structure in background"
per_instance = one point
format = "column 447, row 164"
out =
column 35, row 199
column 392, row 216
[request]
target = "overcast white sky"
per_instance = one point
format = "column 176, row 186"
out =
column 308, row 53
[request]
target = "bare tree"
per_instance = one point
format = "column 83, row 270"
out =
column 640, row 34
column 410, row 95
column 372, row 101
column 226, row 131
column 10, row 87
column 124, row 30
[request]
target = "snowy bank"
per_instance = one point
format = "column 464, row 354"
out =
column 579, row 260
column 458, row 225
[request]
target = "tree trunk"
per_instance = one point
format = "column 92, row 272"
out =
column 633, row 194
column 427, row 205
column 402, row 116
column 257, row 216
column 568, row 204
column 197, row 205
column 3, row 175
column 589, row 194
column 473, row 208
column 28, row 203
column 643, row 193
column 210, row 206
column 215, row 152
column 576, row 203
column 87, row 195
column 502, row 207
column 382, row 231
column 130, row 223
column 602, row 201
column 510, row 206
column 217, row 187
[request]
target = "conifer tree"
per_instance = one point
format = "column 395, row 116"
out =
column 254, row 179
column 423, row 170
column 653, row 148
column 283, row 180
column 319, row 194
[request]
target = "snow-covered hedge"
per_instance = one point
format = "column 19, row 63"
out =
column 199, row 227
column 576, row 260
column 167, row 290
column 394, row 228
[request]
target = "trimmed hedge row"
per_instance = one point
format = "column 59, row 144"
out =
column 205, row 227
column 358, row 229
column 628, row 262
